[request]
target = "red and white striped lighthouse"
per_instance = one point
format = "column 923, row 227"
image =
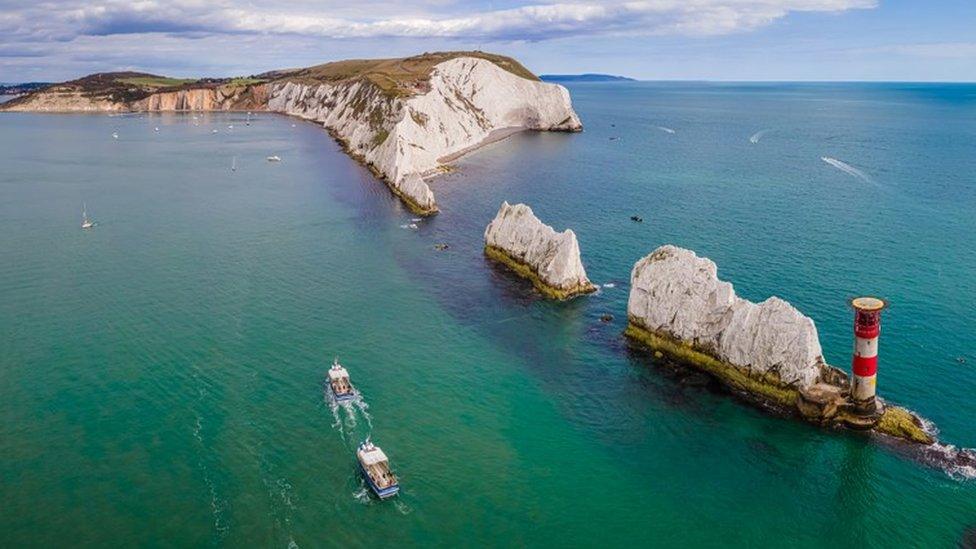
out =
column 867, row 328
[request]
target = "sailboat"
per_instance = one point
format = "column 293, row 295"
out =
column 233, row 164
column 86, row 223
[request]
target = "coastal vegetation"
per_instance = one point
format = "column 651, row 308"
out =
column 398, row 77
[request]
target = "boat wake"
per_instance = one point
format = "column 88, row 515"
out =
column 847, row 168
column 757, row 136
column 401, row 506
column 217, row 503
column 665, row 129
column 348, row 415
column 362, row 494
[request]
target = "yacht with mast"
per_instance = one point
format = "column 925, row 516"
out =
column 86, row 222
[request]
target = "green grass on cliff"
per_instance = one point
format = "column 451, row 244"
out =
column 150, row 81
column 398, row 77
column 401, row 77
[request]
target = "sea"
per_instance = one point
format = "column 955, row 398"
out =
column 162, row 375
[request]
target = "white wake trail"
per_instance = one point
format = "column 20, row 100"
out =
column 757, row 136
column 847, row 168
column 664, row 129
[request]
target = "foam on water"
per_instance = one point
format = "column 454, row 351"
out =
column 665, row 129
column 757, row 136
column 847, row 168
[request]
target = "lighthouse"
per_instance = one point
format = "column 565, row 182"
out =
column 867, row 328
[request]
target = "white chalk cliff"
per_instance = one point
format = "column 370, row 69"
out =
column 553, row 257
column 677, row 293
column 469, row 101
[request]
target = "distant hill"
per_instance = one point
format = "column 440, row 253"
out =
column 17, row 89
column 589, row 77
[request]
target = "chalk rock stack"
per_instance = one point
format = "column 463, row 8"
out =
column 536, row 251
column 677, row 294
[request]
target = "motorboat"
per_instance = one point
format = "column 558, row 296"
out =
column 375, row 467
column 339, row 382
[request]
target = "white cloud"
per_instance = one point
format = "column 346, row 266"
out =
column 540, row 21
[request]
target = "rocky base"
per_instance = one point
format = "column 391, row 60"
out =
column 526, row 271
column 823, row 403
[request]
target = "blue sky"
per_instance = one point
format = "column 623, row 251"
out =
column 913, row 40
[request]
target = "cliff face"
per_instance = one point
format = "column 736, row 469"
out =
column 66, row 101
column 535, row 251
column 212, row 98
column 400, row 137
column 675, row 292
column 219, row 98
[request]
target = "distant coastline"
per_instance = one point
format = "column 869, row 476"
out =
column 18, row 89
column 588, row 77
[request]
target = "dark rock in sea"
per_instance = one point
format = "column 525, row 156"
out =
column 606, row 317
column 968, row 540
column 441, row 247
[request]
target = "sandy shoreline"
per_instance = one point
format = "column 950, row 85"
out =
column 492, row 137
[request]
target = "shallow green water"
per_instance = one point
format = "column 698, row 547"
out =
column 162, row 375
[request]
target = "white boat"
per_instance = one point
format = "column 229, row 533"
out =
column 213, row 131
column 115, row 135
column 274, row 158
column 339, row 382
column 233, row 164
column 86, row 223
column 375, row 467
column 156, row 129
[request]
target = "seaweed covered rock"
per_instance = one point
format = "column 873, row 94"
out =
column 678, row 294
column 536, row 251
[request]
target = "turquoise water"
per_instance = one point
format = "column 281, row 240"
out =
column 162, row 375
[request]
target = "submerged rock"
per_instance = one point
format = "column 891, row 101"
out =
column 536, row 251
column 769, row 352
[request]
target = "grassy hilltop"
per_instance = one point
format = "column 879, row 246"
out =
column 398, row 77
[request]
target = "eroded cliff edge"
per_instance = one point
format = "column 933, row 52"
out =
column 768, row 352
column 534, row 250
column 405, row 138
column 403, row 118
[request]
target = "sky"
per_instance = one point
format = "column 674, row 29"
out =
column 895, row 40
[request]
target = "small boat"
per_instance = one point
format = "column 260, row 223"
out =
column 375, row 467
column 339, row 382
column 86, row 222
column 233, row 164
column 213, row 131
column 637, row 219
column 156, row 129
column 274, row 158
column 115, row 135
